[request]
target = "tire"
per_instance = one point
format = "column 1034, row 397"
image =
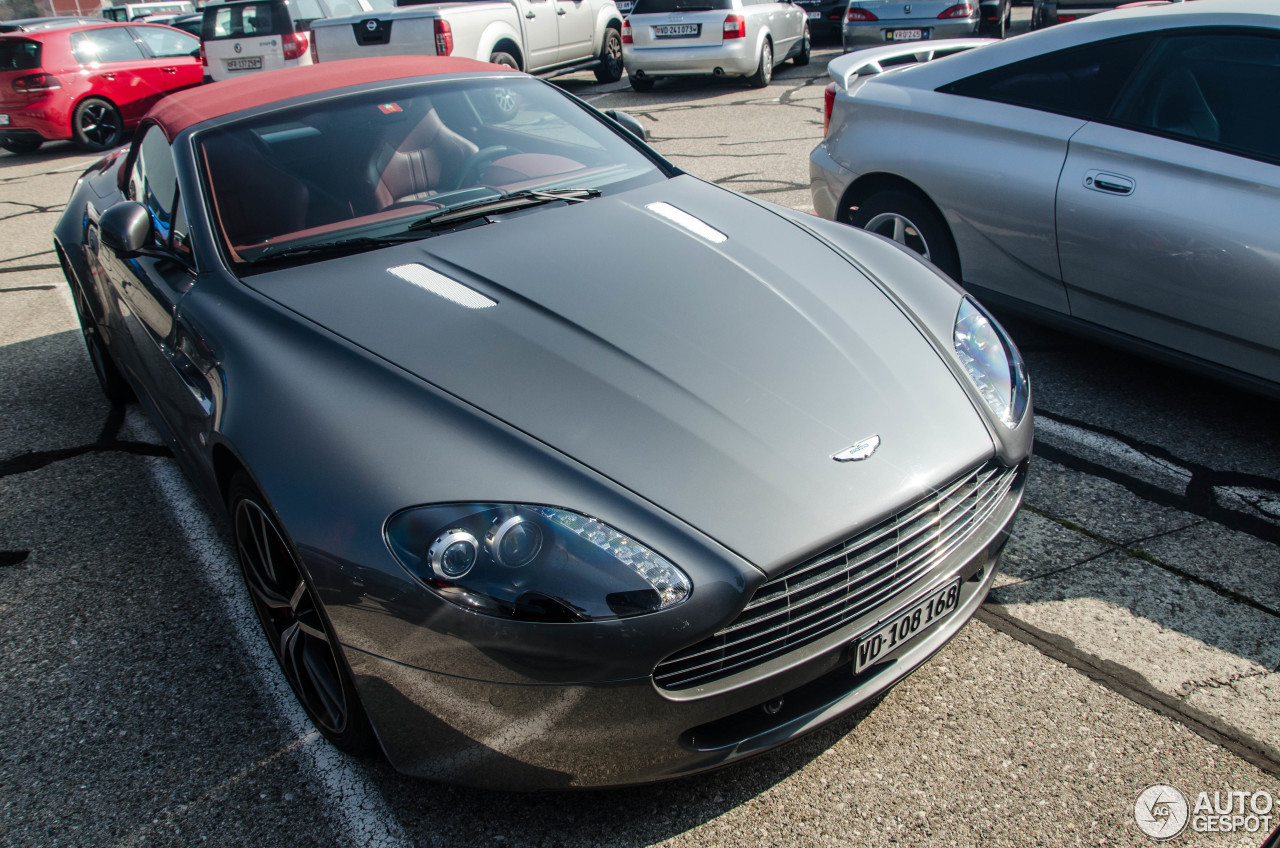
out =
column 610, row 67
column 295, row 623
column 764, row 72
column 96, row 124
column 912, row 222
column 641, row 83
column 114, row 386
column 25, row 144
column 506, row 60
column 806, row 49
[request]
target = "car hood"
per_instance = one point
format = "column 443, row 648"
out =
column 715, row 380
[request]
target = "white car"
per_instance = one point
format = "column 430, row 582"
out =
column 261, row 35
column 735, row 38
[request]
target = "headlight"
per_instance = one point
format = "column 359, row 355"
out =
column 992, row 363
column 532, row 563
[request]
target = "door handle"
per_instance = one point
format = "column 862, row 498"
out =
column 169, row 70
column 560, row 11
column 1108, row 183
column 531, row 15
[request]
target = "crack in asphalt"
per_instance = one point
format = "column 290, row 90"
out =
column 108, row 441
column 1190, row 687
column 1130, row 684
column 1198, row 499
column 32, row 209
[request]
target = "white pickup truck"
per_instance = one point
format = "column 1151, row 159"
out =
column 537, row 36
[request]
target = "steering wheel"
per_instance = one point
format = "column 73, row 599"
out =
column 478, row 161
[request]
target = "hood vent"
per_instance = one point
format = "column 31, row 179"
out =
column 438, row 284
column 686, row 221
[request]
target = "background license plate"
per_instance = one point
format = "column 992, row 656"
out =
column 252, row 63
column 4, row 120
column 906, row 34
column 905, row 625
column 677, row 30
column 813, row 16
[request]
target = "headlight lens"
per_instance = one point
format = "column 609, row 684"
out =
column 533, row 563
column 992, row 363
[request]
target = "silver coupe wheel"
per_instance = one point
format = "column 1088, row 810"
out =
column 900, row 228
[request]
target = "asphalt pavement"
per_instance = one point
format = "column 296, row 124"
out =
column 1131, row 642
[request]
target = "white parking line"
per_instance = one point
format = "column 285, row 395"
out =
column 359, row 807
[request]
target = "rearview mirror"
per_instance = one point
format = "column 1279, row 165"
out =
column 125, row 228
column 629, row 124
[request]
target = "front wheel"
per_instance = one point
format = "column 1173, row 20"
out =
column 114, row 386
column 764, row 73
column 610, row 67
column 97, row 125
column 913, row 223
column 295, row 623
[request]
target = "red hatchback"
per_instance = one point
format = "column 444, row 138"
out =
column 90, row 83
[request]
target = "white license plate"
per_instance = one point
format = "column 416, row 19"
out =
column 250, row 63
column 4, row 120
column 906, row 625
column 906, row 34
column 677, row 30
column 813, row 16
column 624, row 6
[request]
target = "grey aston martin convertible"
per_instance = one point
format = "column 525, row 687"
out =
column 546, row 464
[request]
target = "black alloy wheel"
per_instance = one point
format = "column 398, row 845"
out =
column 114, row 386
column 295, row 624
column 97, row 124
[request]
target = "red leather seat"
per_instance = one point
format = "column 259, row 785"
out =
column 429, row 160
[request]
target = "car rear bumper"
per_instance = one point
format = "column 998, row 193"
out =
column 737, row 57
column 877, row 32
column 41, row 119
column 611, row 733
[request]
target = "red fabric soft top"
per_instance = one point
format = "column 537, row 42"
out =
column 212, row 100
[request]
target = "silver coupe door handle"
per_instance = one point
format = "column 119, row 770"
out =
column 1108, row 183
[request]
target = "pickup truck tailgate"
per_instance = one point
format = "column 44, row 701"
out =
column 410, row 31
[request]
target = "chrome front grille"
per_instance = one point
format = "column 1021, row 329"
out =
column 843, row 583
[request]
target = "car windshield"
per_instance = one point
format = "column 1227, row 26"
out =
column 361, row 170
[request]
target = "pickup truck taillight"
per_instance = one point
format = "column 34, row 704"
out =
column 959, row 10
column 828, row 106
column 626, row 32
column 856, row 14
column 444, row 37
column 204, row 57
column 295, row 44
column 735, row 26
column 36, row 83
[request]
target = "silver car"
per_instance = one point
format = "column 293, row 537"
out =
column 734, row 38
column 876, row 22
column 1120, row 174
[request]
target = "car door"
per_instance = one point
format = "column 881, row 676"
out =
column 1167, row 214
column 163, row 352
column 576, row 25
column 174, row 61
column 111, row 59
column 992, row 157
column 541, row 34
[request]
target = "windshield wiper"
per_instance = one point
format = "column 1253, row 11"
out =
column 351, row 245
column 504, row 203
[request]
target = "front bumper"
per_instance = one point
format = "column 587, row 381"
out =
column 737, row 57
column 876, row 33
column 533, row 737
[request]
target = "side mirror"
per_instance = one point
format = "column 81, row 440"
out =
column 125, row 228
column 629, row 124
